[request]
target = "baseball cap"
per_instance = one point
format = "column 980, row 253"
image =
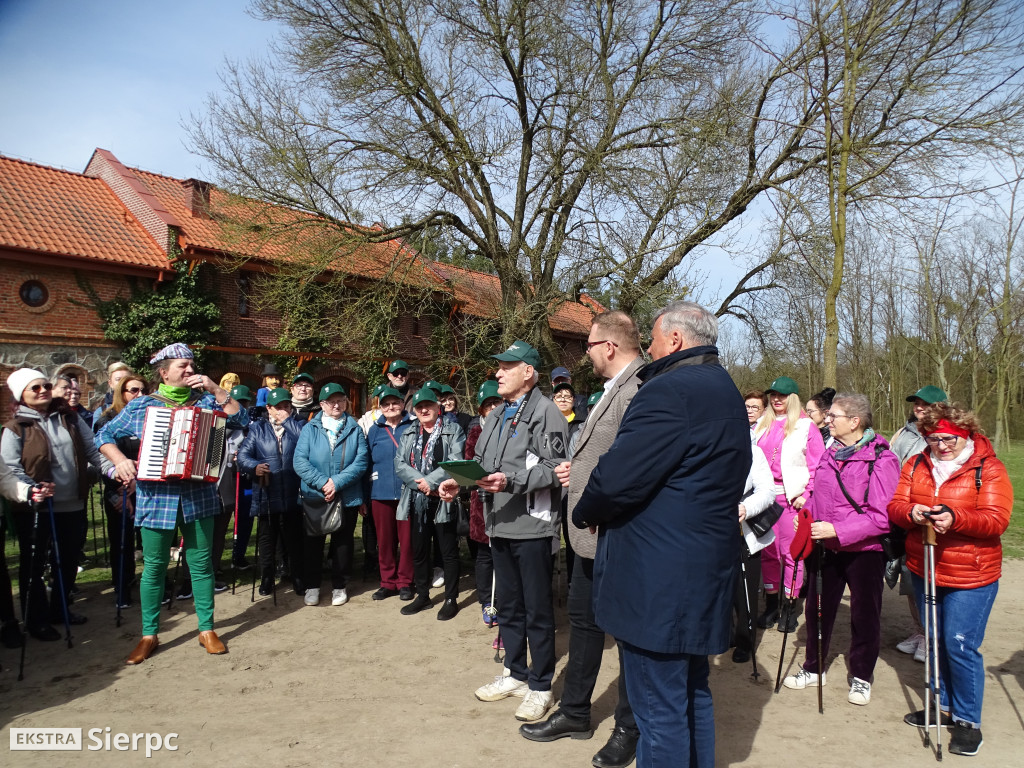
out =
column 592, row 400
column 278, row 395
column 560, row 372
column 303, row 377
column 331, row 389
column 563, row 385
column 519, row 352
column 425, row 395
column 784, row 386
column 241, row 392
column 398, row 365
column 386, row 391
column 487, row 390
column 930, row 394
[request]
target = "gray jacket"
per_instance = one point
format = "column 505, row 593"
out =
column 529, row 507
column 453, row 446
column 64, row 462
column 907, row 442
column 595, row 439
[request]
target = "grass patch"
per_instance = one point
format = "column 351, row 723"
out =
column 1013, row 539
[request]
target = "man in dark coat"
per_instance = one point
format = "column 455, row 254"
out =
column 665, row 496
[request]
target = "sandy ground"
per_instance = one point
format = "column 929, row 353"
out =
column 362, row 685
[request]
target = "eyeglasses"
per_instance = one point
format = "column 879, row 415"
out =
column 563, row 395
column 755, row 407
column 305, row 384
column 833, row 416
column 592, row 344
column 134, row 390
column 947, row 441
column 37, row 388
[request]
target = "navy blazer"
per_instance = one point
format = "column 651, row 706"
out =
column 665, row 496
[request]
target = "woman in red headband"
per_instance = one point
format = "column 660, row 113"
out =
column 962, row 490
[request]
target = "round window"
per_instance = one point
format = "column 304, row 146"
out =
column 34, row 293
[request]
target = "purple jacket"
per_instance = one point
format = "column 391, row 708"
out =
column 856, row 532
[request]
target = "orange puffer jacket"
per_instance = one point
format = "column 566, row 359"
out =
column 969, row 554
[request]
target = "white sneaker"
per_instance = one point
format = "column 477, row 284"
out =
column 502, row 687
column 860, row 692
column 312, row 596
column 911, row 644
column 438, row 578
column 339, row 597
column 534, row 706
column 921, row 652
column 803, row 679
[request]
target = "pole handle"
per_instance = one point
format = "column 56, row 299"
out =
column 928, row 535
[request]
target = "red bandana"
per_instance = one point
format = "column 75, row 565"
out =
column 947, row 427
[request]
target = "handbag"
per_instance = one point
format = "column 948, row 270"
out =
column 763, row 523
column 322, row 516
column 894, row 542
column 461, row 517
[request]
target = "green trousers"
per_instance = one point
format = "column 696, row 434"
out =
column 156, row 554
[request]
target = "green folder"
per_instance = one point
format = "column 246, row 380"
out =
column 465, row 472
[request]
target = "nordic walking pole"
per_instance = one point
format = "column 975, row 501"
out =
column 60, row 571
column 931, row 635
column 256, row 555
column 751, row 631
column 234, row 536
column 785, row 633
column 28, row 594
column 820, row 556
column 120, row 563
column 92, row 517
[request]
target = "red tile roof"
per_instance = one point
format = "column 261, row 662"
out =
column 479, row 295
column 283, row 234
column 58, row 212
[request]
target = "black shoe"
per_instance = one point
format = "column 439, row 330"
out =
column 266, row 587
column 793, row 614
column 10, row 634
column 384, row 593
column 421, row 603
column 184, row 594
column 966, row 740
column 298, row 586
column 241, row 564
column 219, row 586
column 740, row 655
column 557, row 726
column 165, row 600
column 406, row 593
column 44, row 632
column 448, row 610
column 620, row 750
column 916, row 719
column 771, row 611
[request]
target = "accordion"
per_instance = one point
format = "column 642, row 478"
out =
column 185, row 443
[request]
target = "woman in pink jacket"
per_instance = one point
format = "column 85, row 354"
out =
column 853, row 484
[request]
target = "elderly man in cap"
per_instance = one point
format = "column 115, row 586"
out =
column 665, row 496
column 519, row 447
column 304, row 404
column 398, row 378
column 161, row 506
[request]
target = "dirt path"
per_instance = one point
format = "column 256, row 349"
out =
column 361, row 685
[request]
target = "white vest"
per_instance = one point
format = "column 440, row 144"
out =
column 793, row 461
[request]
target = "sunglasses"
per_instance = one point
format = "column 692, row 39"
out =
column 135, row 390
column 37, row 388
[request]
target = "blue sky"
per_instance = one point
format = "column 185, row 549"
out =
column 116, row 74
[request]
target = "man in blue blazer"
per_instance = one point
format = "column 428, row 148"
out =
column 665, row 497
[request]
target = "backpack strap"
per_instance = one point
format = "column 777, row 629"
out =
column 977, row 475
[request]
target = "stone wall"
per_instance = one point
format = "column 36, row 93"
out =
column 88, row 364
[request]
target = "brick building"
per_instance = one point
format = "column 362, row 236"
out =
column 61, row 230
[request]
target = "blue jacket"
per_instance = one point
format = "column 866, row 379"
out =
column 260, row 447
column 383, row 442
column 316, row 463
column 665, row 496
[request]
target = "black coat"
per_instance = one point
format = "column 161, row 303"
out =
column 281, row 494
column 665, row 496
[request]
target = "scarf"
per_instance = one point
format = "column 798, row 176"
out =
column 279, row 434
column 175, row 394
column 296, row 403
column 941, row 470
column 333, row 427
column 842, row 454
column 423, row 460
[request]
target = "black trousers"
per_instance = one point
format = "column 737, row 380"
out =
column 341, row 550
column 287, row 527
column 122, row 558
column 586, row 648
column 751, row 583
column 69, row 537
column 484, row 571
column 6, row 589
column 424, row 531
column 526, row 613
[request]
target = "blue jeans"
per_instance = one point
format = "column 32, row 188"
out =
column 671, row 702
column 961, row 616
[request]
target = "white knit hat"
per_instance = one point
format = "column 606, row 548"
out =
column 20, row 379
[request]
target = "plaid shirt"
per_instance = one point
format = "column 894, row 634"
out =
column 157, row 502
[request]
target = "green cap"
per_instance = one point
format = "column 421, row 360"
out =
column 447, row 390
column 304, row 377
column 519, row 352
column 930, row 394
column 425, row 395
column 241, row 392
column 385, row 391
column 563, row 385
column 398, row 365
column 784, row 386
column 278, row 396
column 331, row 389
column 378, row 389
column 437, row 386
column 592, row 400
column 487, row 390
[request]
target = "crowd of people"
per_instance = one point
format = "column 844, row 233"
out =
column 659, row 477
